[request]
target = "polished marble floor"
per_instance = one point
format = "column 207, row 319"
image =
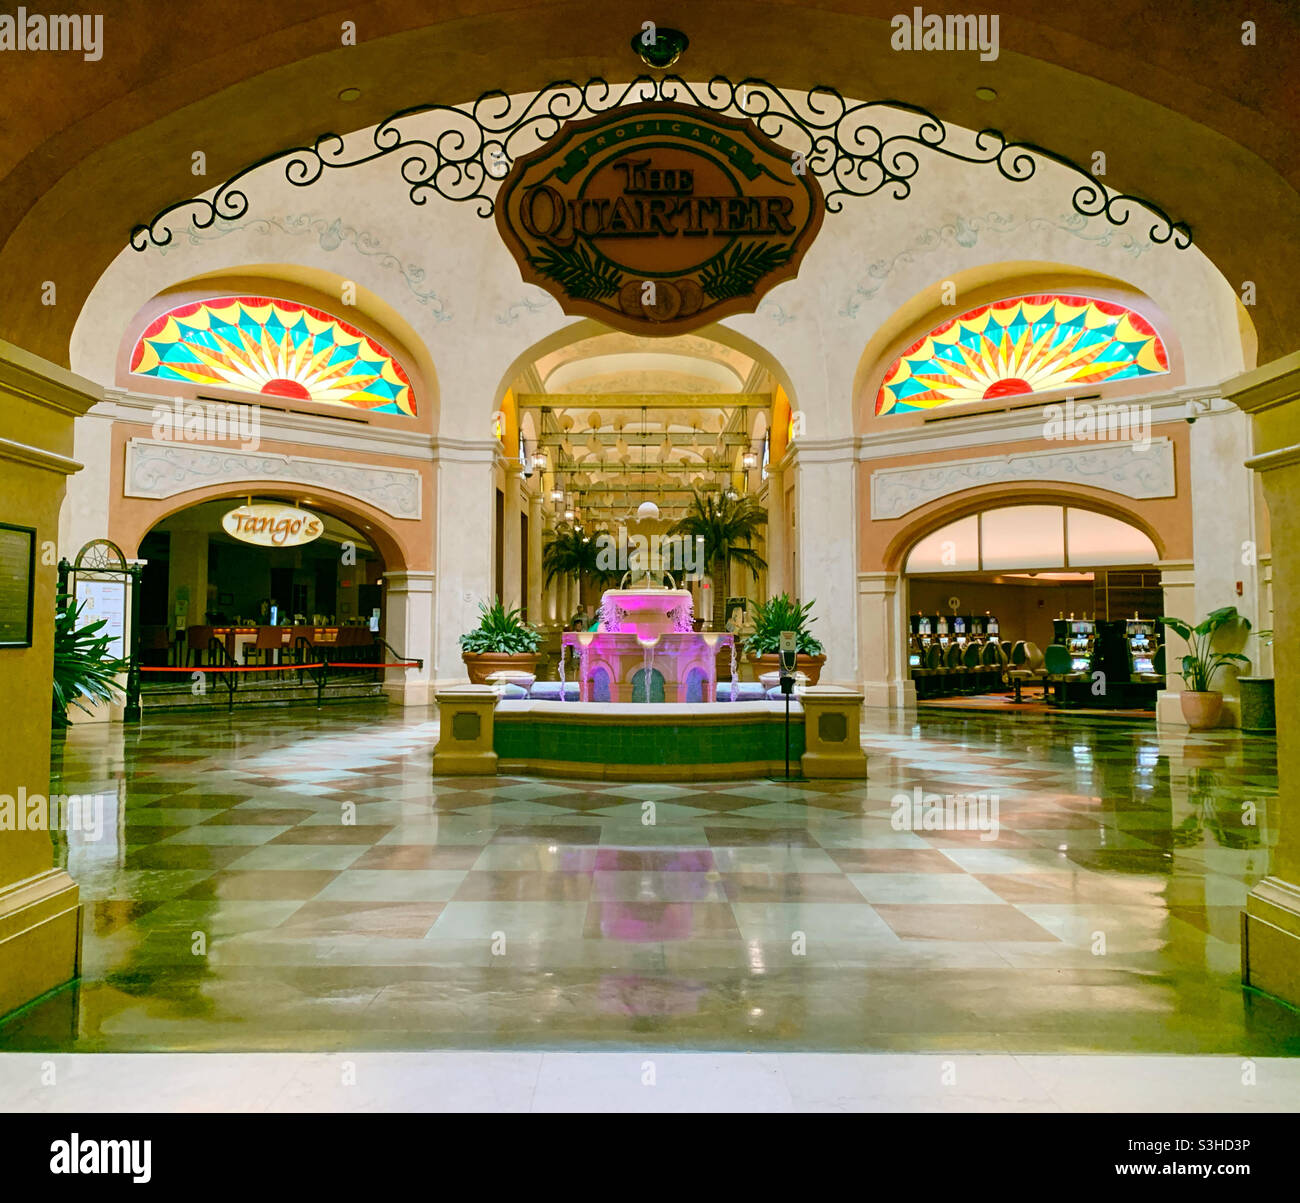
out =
column 297, row 880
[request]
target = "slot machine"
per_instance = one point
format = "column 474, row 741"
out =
column 1143, row 644
column 915, row 648
column 1078, row 636
column 941, row 632
column 960, row 634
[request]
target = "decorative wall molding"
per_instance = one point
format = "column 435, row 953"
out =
column 159, row 469
column 1126, row 468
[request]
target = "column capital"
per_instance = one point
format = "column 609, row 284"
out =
column 410, row 581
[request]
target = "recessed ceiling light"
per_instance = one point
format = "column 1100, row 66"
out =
column 985, row 94
column 348, row 95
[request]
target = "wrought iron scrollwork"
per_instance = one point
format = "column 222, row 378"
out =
column 856, row 148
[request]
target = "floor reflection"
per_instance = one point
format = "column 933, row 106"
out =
column 295, row 880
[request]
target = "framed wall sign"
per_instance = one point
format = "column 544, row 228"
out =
column 17, row 584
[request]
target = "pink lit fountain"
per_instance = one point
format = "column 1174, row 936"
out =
column 647, row 649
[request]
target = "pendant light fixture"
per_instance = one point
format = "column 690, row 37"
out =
column 647, row 511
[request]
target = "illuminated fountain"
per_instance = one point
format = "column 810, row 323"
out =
column 646, row 649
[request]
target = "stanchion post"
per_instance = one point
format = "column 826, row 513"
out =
column 788, row 648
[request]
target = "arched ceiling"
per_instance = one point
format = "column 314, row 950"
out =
column 1187, row 115
column 621, row 417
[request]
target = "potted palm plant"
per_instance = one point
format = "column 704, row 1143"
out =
column 569, row 551
column 83, row 669
column 1202, row 705
column 724, row 527
column 502, row 640
column 779, row 614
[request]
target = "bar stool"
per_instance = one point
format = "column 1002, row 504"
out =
column 197, row 639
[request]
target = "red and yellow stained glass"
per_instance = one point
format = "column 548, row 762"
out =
column 1029, row 344
column 273, row 348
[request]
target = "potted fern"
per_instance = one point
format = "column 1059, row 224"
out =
column 779, row 614
column 84, row 672
column 1201, row 705
column 502, row 640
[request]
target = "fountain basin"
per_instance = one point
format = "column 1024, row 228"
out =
column 633, row 666
column 645, row 611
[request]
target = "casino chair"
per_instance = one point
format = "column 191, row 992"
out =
column 1026, row 665
column 958, row 680
column 1060, row 671
column 973, row 670
column 932, row 672
column 994, row 662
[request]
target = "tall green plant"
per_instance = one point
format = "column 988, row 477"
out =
column 779, row 614
column 500, row 632
column 725, row 527
column 568, row 551
column 1202, row 663
column 83, row 669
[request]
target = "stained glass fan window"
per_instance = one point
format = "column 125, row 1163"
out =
column 273, row 348
column 1022, row 345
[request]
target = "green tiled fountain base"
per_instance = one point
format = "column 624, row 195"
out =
column 670, row 748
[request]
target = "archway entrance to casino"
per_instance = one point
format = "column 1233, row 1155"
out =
column 256, row 582
column 1036, row 608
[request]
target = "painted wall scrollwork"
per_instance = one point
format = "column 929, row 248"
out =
column 159, row 470
column 1126, row 468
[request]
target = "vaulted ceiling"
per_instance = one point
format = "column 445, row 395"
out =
column 1187, row 115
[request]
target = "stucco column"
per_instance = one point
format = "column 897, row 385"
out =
column 409, row 626
column 39, row 915
column 826, row 538
column 1271, row 937
column 511, row 584
column 881, row 639
column 85, row 511
column 187, row 577
column 1178, row 583
column 463, row 565
column 1223, row 524
column 775, row 533
column 535, row 611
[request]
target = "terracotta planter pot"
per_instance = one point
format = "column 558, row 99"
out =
column 1201, row 710
column 810, row 666
column 480, row 664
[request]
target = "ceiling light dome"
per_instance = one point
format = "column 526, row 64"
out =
column 647, row 511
